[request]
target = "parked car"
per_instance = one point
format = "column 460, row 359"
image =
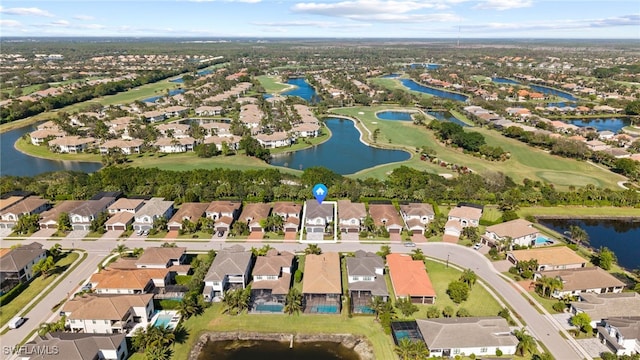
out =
column 477, row 246
column 145, row 233
column 410, row 244
column 16, row 322
column 220, row 233
column 139, row 232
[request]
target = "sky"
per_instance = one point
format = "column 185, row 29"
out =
column 529, row 19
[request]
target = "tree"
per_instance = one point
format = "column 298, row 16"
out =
column 293, row 302
column 27, row 224
column 377, row 305
column 64, row 222
column 458, row 291
column 236, row 301
column 468, row 277
column 408, row 349
column 417, row 254
column 406, row 307
column 55, row 250
column 120, row 249
column 384, row 251
column 448, row 311
column 152, row 337
column 462, row 312
column 578, row 234
column 543, row 284
column 470, row 233
column 583, row 322
column 606, row 258
column 44, row 266
column 633, row 108
column 46, row 328
column 526, row 342
column 433, row 312
column 543, row 356
column 190, row 305
column 313, row 249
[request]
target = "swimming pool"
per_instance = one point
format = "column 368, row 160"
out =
column 269, row 307
column 163, row 320
column 363, row 309
column 543, row 240
column 326, row 309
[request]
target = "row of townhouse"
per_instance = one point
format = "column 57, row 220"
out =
column 270, row 277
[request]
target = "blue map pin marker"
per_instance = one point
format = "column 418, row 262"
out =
column 320, row 192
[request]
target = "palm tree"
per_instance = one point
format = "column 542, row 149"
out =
column 526, row 342
column 578, row 234
column 55, row 250
column 404, row 349
column 293, row 302
column 44, row 266
column 544, row 282
column 384, row 251
column 417, row 254
column 469, row 277
column 313, row 249
column 555, row 284
column 377, row 305
column 120, row 249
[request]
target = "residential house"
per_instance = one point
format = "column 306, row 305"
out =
column 16, row 265
column 230, row 270
column 386, row 215
column 224, row 213
column 40, row 137
column 597, row 145
column 606, row 306
column 322, row 285
column 177, row 145
column 71, row 144
column 153, row 116
column 28, row 206
column 151, row 210
column 550, row 258
column 606, row 135
column 274, row 140
column 290, row 214
column 119, row 221
column 89, row 210
column 253, row 213
column 466, row 215
column 306, row 130
column 520, row 231
column 107, row 314
column 175, row 111
column 587, row 279
column 76, row 347
column 351, row 216
column 271, row 281
column 365, row 275
column 482, row 336
column 209, row 110
column 125, row 205
column 174, row 130
column 233, row 143
column 317, row 216
column 191, row 212
column 161, row 257
column 621, row 334
column 409, row 279
column 417, row 216
column 8, row 201
column 49, row 219
column 126, row 147
column 130, row 281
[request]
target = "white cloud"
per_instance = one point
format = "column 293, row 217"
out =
column 316, row 24
column 503, row 4
column 379, row 10
column 10, row 23
column 84, row 17
column 25, row 11
column 625, row 20
column 63, row 23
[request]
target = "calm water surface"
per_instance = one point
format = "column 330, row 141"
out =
column 303, row 89
column 343, row 153
column 611, row 124
column 412, row 85
column 273, row 350
column 446, row 116
column 395, row 115
column 555, row 92
column 171, row 93
column 15, row 163
column 500, row 80
column 621, row 236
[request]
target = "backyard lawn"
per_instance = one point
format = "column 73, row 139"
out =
column 272, row 84
column 37, row 286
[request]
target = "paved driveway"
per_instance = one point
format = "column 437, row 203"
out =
column 43, row 234
column 290, row 236
column 502, row 265
column 4, row 233
column 593, row 346
column 395, row 237
column 112, row 235
column 418, row 238
column 349, row 236
column 564, row 320
column 77, row 234
column 255, row 235
column 319, row 237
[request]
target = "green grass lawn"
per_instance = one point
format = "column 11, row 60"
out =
column 37, row 286
column 525, row 162
column 272, row 84
column 213, row 320
column 579, row 211
column 43, row 152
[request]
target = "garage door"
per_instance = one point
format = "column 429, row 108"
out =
column 117, row 227
column 394, row 231
column 174, row 227
column 290, row 230
column 417, row 232
column 256, row 228
column 354, row 230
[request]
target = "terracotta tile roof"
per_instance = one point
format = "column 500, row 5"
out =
column 322, row 274
column 255, row 211
column 272, row 264
column 123, row 217
column 409, row 277
column 223, row 207
column 286, row 208
column 388, row 212
column 584, row 278
column 104, row 307
column 5, row 203
column 26, row 206
column 348, row 210
column 190, row 211
column 515, row 229
column 555, row 256
column 466, row 212
column 160, row 255
column 126, row 279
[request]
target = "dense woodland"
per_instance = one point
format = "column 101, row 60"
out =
column 403, row 184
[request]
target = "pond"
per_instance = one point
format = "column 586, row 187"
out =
column 500, row 80
column 621, row 236
column 171, row 93
column 15, row 163
column 611, row 124
column 562, row 104
column 426, row 66
column 303, row 89
column 180, row 80
column 412, row 85
column 554, row 92
column 446, row 116
column 344, row 153
column 273, row 350
column 395, row 115
column 390, row 76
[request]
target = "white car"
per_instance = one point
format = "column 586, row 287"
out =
column 16, row 322
column 410, row 244
column 477, row 246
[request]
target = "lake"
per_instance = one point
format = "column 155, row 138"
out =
column 15, row 163
column 395, row 115
column 554, row 92
column 562, row 104
column 171, row 93
column 621, row 236
column 500, row 80
column 390, row 76
column 273, row 350
column 426, row 66
column 412, row 85
column 343, row 153
column 180, row 80
column 611, row 124
column 446, row 116
column 303, row 89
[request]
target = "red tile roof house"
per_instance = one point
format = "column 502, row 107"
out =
column 350, row 216
column 223, row 213
column 386, row 215
column 290, row 213
column 409, row 279
column 322, row 285
column 520, row 231
column 188, row 211
column 271, row 281
column 252, row 214
column 129, row 281
column 28, row 206
column 417, row 216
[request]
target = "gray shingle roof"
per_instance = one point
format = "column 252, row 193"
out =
column 72, row 346
column 228, row 262
column 447, row 333
column 18, row 258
